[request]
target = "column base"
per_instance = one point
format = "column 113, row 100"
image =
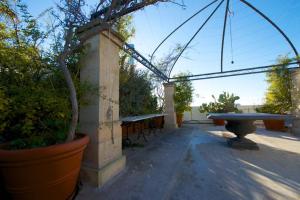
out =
column 170, row 121
column 295, row 129
column 170, row 126
column 98, row 177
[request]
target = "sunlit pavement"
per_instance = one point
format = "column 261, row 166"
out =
column 194, row 162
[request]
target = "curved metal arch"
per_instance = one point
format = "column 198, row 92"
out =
column 178, row 27
column 273, row 24
column 224, row 32
column 194, row 36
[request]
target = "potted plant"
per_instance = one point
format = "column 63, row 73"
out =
column 183, row 97
column 224, row 104
column 40, row 154
column 212, row 107
column 278, row 96
column 272, row 124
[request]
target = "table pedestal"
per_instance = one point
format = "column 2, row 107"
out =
column 241, row 128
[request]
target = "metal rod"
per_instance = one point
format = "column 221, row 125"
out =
column 141, row 59
column 178, row 27
column 228, row 75
column 224, row 32
column 273, row 24
column 195, row 36
column 237, row 70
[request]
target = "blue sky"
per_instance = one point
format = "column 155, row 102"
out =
column 255, row 42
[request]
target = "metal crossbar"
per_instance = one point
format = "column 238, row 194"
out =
column 195, row 34
column 238, row 72
column 183, row 23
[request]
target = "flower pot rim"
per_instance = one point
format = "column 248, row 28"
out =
column 273, row 119
column 43, row 152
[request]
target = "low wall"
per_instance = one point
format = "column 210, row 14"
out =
column 195, row 115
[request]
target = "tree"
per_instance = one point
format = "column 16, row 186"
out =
column 183, row 94
column 164, row 65
column 34, row 109
column 136, row 96
column 278, row 95
column 6, row 10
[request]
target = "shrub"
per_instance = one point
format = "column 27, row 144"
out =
column 183, row 94
column 34, row 100
column 224, row 104
column 278, row 96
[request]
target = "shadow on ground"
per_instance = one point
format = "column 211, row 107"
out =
column 194, row 162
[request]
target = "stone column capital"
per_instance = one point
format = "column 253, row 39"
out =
column 168, row 84
column 90, row 30
column 295, row 71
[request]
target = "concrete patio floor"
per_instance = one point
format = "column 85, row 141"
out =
column 194, row 162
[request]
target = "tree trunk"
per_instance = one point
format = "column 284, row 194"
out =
column 73, row 99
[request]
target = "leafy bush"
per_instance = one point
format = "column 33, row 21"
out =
column 34, row 100
column 278, row 96
column 224, row 104
column 183, row 94
column 136, row 96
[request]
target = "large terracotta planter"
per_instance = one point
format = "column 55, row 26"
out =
column 42, row 173
column 179, row 118
column 219, row 122
column 274, row 125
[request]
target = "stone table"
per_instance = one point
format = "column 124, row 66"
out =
column 243, row 124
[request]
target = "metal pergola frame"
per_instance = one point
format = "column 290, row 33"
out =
column 246, row 71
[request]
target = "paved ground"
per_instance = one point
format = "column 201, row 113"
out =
column 194, row 162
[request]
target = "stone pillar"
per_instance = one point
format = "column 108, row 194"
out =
column 170, row 118
column 103, row 157
column 296, row 101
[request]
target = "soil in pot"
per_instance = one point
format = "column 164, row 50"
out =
column 42, row 173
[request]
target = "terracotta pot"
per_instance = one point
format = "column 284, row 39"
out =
column 179, row 117
column 219, row 122
column 274, row 125
column 42, row 173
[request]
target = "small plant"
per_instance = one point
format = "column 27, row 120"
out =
column 224, row 104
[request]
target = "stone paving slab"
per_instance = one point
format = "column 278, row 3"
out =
column 194, row 162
